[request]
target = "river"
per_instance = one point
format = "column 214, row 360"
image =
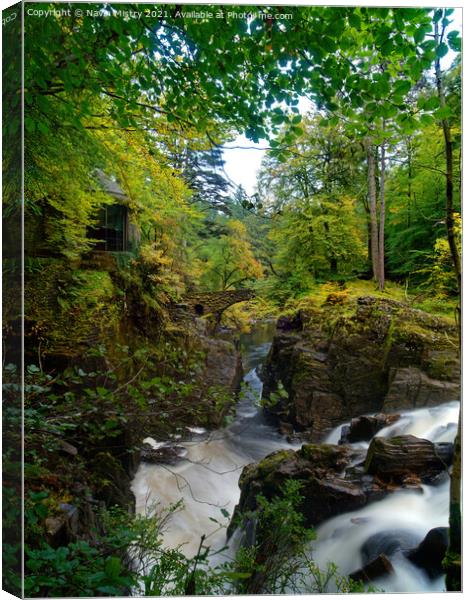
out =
column 206, row 479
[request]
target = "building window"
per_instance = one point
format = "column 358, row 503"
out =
column 111, row 229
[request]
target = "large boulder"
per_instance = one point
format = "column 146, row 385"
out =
column 338, row 478
column 377, row 568
column 374, row 355
column 221, row 377
column 320, row 468
column 223, row 364
column 388, row 543
column 406, row 455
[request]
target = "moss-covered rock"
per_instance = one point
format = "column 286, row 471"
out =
column 373, row 354
column 319, row 468
column 337, row 479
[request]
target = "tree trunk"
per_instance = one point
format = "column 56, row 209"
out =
column 449, row 220
column 453, row 557
column 409, row 152
column 381, row 278
column 372, row 194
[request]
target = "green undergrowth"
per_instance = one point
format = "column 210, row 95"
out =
column 126, row 554
column 342, row 296
column 83, row 427
column 67, row 308
column 280, row 558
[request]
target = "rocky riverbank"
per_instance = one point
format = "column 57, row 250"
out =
column 330, row 364
column 338, row 479
column 167, row 377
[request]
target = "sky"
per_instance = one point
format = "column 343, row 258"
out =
column 242, row 165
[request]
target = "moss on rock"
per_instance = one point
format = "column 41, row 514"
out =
column 370, row 355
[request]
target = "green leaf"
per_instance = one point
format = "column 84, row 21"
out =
column 30, row 125
column 389, row 111
column 354, row 20
column 443, row 113
column 237, row 575
column 441, row 50
column 112, row 567
column 387, row 48
column 328, row 43
column 43, row 127
column 108, row 589
column 428, row 44
column 426, row 120
column 401, row 88
column 416, row 70
column 454, row 42
column 452, row 35
column 431, row 104
column 419, row 35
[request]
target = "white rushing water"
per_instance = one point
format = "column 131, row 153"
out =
column 408, row 512
column 206, row 479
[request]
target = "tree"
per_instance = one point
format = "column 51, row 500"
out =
column 230, row 261
column 416, row 205
column 311, row 194
column 203, row 172
column 372, row 196
column 318, row 238
column 183, row 68
column 441, row 22
column 372, row 100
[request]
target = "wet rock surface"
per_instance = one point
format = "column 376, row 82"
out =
column 379, row 567
column 364, row 428
column 411, row 387
column 406, row 455
column 337, row 478
column 320, row 467
column 388, row 543
column 168, row 454
column 375, row 355
column 431, row 551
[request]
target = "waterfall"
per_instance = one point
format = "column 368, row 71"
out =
column 408, row 513
column 206, row 479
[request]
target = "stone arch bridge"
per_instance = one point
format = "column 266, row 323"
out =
column 208, row 303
